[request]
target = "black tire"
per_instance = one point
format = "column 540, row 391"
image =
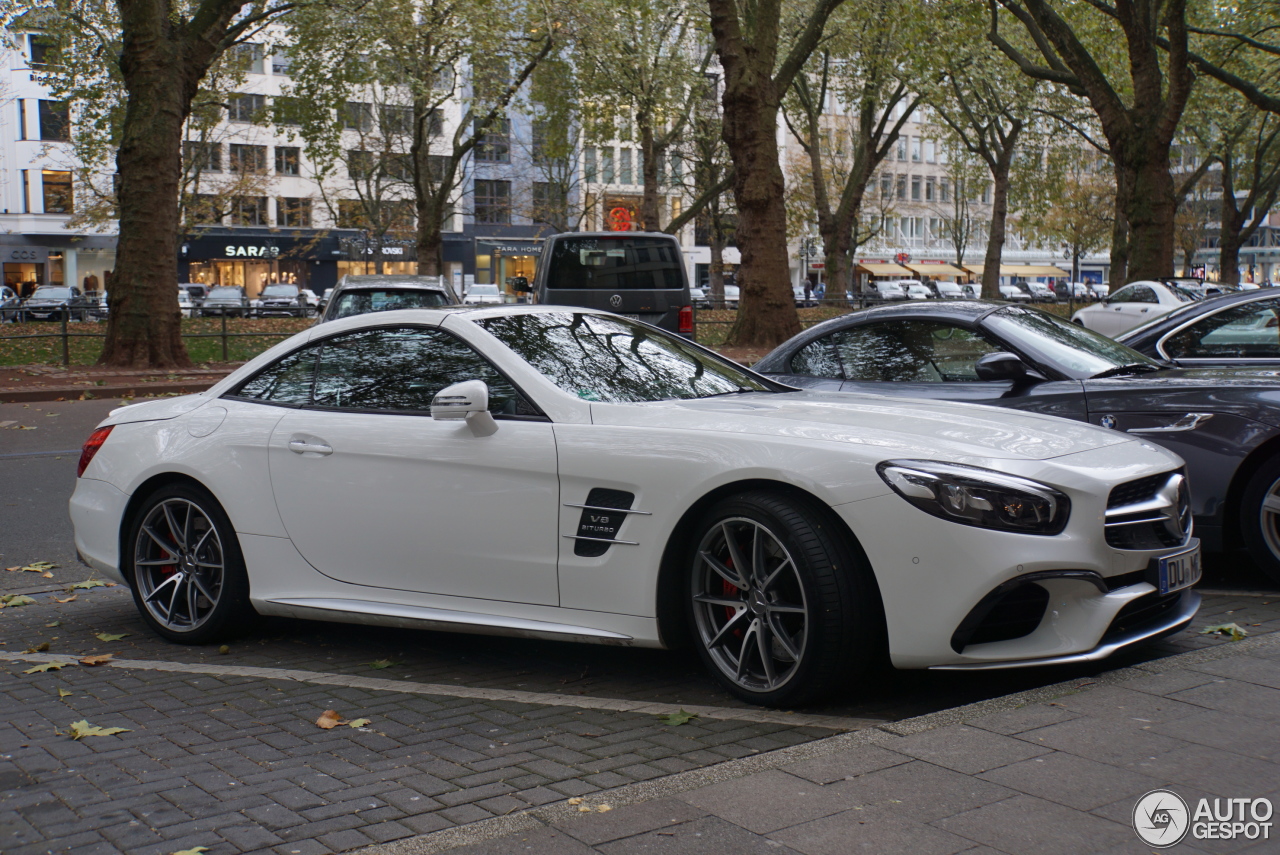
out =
column 206, row 586
column 812, row 626
column 1260, row 525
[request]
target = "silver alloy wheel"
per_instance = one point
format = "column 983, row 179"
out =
column 749, row 605
column 178, row 564
column 1269, row 518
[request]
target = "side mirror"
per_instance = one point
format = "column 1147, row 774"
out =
column 1001, row 366
column 467, row 400
column 519, row 284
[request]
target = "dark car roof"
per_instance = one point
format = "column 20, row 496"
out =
column 1144, row 338
column 959, row 311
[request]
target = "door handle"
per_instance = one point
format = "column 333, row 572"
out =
column 301, row 446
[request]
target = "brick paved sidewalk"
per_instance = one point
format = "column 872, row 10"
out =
column 1055, row 770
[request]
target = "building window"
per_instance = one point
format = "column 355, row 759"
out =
column 247, row 58
column 288, row 160
column 43, row 51
column 550, row 203
column 886, row 185
column 248, row 159
column 915, row 149
column 606, row 165
column 398, row 165
column 902, row 188
column 280, row 64
column 915, row 188
column 944, row 191
column 55, row 120
column 930, row 189
column 351, row 214
column 589, row 165
column 293, row 212
column 935, row 227
column 204, row 210
column 245, row 108
column 493, row 201
column 359, row 164
column 58, row 198
column 625, row 167
column 248, row 210
column 930, row 151
column 397, row 120
column 495, row 145
column 676, row 169
column 986, row 194
column 902, row 148
column 203, row 156
column 549, row 144
column 287, row 110
column 358, row 116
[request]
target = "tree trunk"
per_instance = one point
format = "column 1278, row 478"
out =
column 1229, row 256
column 999, row 216
column 650, row 156
column 144, row 327
column 1150, row 208
column 430, row 243
column 715, row 274
column 1118, row 274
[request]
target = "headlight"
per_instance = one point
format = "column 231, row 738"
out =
column 980, row 497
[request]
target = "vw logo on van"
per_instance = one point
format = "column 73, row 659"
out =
column 615, row 300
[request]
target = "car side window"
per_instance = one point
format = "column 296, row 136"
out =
column 817, row 359
column 400, row 369
column 946, row 352
column 1144, row 294
column 286, row 382
column 1124, row 295
column 876, row 354
column 1248, row 331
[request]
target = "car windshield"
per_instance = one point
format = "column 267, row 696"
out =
column 615, row 264
column 484, row 289
column 1070, row 348
column 367, row 300
column 613, row 360
column 224, row 294
column 48, row 292
column 280, row 291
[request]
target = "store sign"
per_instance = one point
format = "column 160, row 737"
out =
column 27, row 255
column 239, row 251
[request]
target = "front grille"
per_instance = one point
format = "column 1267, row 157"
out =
column 1142, row 611
column 1149, row 513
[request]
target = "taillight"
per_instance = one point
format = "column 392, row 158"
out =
column 686, row 320
column 91, row 446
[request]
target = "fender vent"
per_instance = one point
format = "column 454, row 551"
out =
column 599, row 524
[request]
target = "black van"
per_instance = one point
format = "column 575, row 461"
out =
column 638, row 275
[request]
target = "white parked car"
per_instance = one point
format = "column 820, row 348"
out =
column 561, row 473
column 480, row 295
column 1133, row 305
column 186, row 305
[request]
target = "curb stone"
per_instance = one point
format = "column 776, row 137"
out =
column 558, row 813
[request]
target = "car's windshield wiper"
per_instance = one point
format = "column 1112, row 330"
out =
column 739, row 391
column 1131, row 368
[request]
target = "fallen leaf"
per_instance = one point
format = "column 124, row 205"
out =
column 359, row 722
column 111, row 636
column 329, row 719
column 575, row 801
column 194, row 850
column 224, row 649
column 1234, row 630
column 46, row 666
column 39, row 566
column 46, row 574
column 604, row 808
column 678, row 718
column 63, row 693
column 379, row 664
column 67, row 600
column 15, row 600
column 97, row 659
column 584, row 809
column 54, row 623
column 81, row 729
column 39, row 648
column 86, row 584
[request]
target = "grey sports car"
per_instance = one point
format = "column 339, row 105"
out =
column 1224, row 422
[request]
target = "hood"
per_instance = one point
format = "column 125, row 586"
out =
column 154, row 411
column 1249, row 392
column 894, row 427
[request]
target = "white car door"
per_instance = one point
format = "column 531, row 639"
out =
column 374, row 492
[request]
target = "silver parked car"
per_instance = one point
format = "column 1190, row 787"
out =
column 358, row 295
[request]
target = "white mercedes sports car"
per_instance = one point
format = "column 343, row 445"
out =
column 570, row 474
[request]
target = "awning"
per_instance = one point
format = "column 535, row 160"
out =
column 1033, row 270
column 1008, row 270
column 937, row 269
column 877, row 269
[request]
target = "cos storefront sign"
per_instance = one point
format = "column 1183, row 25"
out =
column 28, row 254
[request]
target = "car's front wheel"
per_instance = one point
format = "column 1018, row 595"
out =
column 783, row 610
column 1260, row 518
column 185, row 567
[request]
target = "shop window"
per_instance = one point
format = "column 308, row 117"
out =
column 493, row 201
column 55, row 120
column 287, row 111
column 495, row 144
column 358, row 116
column 248, row 210
column 58, row 198
column 43, row 51
column 245, row 108
column 288, row 160
column 248, row 159
column 203, row 156
column 293, row 212
column 351, row 214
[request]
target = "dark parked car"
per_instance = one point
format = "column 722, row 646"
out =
column 359, row 295
column 225, row 300
column 1224, row 422
column 54, row 302
column 1239, row 328
column 286, row 300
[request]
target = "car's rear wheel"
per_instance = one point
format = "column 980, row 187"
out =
column 783, row 610
column 185, row 567
column 1260, row 518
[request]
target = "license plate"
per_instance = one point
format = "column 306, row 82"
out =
column 1175, row 572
